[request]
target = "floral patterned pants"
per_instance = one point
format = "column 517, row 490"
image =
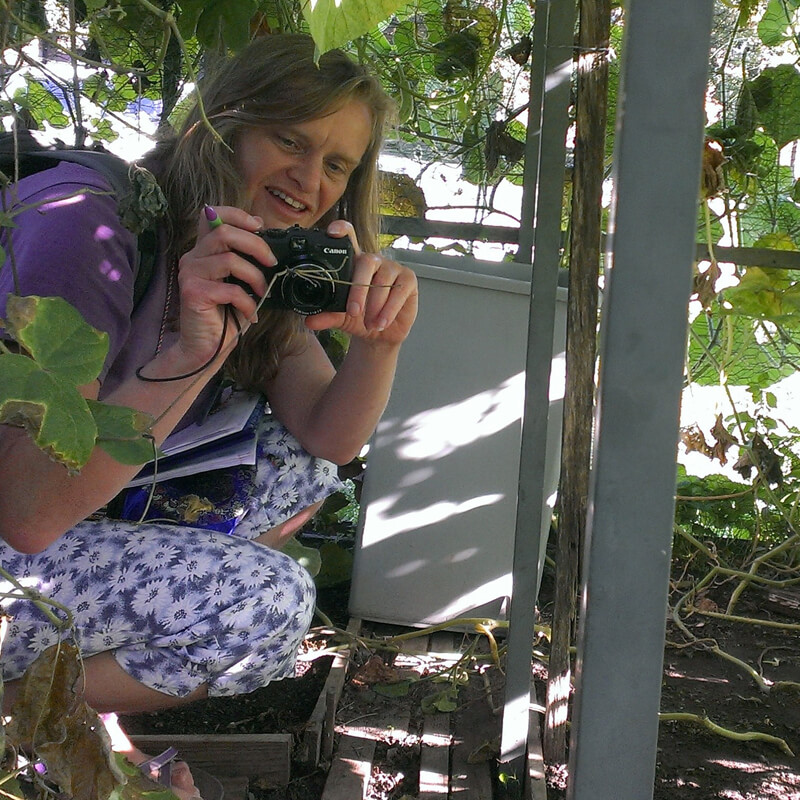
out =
column 179, row 606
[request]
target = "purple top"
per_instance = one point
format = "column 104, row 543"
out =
column 74, row 246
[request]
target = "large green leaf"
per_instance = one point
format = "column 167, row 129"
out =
column 101, row 91
column 743, row 348
column 308, row 557
column 49, row 407
column 337, row 565
column 41, row 394
column 334, row 23
column 41, row 103
column 217, row 24
column 120, row 432
column 770, row 212
column 776, row 26
column 767, row 294
column 57, row 337
column 226, row 23
column 732, row 516
column 520, row 18
column 776, row 94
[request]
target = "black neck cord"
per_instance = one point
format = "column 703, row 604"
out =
column 226, row 314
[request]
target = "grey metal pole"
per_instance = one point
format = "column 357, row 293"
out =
column 533, row 137
column 643, row 337
column 557, row 75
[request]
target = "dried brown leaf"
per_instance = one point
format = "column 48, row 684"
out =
column 693, row 440
column 704, row 284
column 65, row 734
column 712, row 178
column 46, row 697
column 375, row 671
column 83, row 765
column 762, row 455
column 724, row 440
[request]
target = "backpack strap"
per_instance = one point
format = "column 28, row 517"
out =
column 139, row 198
column 111, row 167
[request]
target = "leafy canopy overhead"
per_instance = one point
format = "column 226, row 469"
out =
column 335, row 23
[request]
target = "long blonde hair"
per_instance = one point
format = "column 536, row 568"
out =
column 274, row 80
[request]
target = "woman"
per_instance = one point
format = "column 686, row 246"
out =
column 165, row 615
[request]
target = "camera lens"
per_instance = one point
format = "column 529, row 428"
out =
column 307, row 289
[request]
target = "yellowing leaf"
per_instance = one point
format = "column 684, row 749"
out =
column 400, row 196
column 776, row 241
column 57, row 337
column 49, row 408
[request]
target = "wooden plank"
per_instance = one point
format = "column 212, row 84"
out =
column 235, row 788
column 441, row 642
column 784, row 601
column 536, row 788
column 390, row 725
column 416, row 646
column 437, row 741
column 317, row 740
column 434, row 762
column 229, row 755
column 329, row 723
column 351, row 769
column 474, row 728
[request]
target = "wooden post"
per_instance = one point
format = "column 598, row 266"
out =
column 585, row 246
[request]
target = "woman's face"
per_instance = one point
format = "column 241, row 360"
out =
column 294, row 173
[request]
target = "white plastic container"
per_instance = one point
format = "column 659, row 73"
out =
column 436, row 534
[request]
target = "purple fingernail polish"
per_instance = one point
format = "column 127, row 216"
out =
column 212, row 217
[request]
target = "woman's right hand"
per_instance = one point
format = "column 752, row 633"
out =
column 204, row 291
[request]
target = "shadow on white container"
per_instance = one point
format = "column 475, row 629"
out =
column 436, row 533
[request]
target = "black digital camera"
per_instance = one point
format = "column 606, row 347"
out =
column 314, row 270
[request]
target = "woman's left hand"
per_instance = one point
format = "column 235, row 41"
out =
column 382, row 302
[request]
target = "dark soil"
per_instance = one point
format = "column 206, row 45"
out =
column 693, row 763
